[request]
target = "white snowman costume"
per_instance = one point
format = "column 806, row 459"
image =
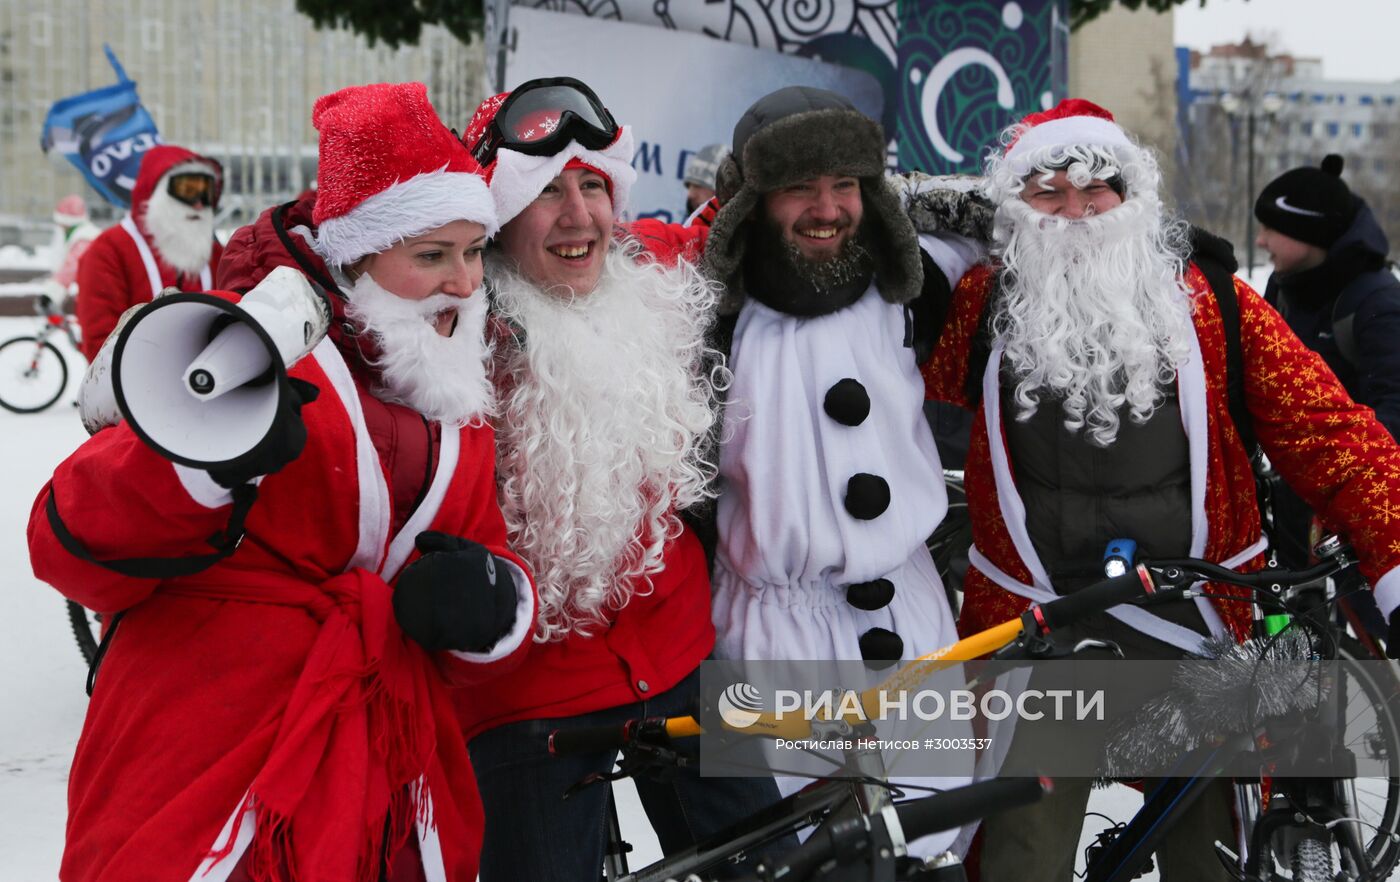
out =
column 790, row 545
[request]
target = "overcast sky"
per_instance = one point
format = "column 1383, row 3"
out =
column 1356, row 39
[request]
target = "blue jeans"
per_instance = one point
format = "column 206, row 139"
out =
column 531, row 833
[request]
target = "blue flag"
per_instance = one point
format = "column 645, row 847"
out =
column 104, row 133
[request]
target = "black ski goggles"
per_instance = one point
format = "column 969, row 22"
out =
column 542, row 116
column 194, row 188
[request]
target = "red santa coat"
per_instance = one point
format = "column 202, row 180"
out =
column 123, row 267
column 1330, row 449
column 270, row 704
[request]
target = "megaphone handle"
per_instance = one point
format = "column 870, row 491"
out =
column 225, row 543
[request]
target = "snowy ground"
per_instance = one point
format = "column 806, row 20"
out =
column 41, row 672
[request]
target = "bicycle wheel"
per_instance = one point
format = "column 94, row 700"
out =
column 87, row 629
column 33, row 374
column 1372, row 730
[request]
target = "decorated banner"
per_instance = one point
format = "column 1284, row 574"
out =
column 104, row 133
column 942, row 77
column 969, row 69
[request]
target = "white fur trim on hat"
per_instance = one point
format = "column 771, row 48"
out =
column 408, row 208
column 517, row 178
column 1088, row 131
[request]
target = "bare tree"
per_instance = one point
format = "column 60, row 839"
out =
column 1221, row 153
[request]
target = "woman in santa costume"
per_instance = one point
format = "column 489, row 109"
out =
column 284, row 714
column 1094, row 350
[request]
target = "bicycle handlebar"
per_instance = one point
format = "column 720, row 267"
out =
column 1163, row 580
column 846, row 839
column 594, row 739
column 1147, row 582
column 1216, row 573
column 953, row 808
column 1067, row 610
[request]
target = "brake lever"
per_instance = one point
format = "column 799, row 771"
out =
column 1038, row 648
column 637, row 758
column 1091, row 643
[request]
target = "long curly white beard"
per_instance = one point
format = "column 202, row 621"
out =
column 1092, row 310
column 443, row 378
column 605, row 410
column 183, row 235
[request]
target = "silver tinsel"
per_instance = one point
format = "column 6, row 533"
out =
column 1229, row 689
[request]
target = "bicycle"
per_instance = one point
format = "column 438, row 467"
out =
column 861, row 832
column 34, row 375
column 33, row 372
column 1310, row 820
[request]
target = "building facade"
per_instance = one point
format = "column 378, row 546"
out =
column 1125, row 61
column 234, row 81
column 1298, row 117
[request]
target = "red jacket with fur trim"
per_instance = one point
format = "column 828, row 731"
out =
column 1330, row 449
column 270, row 705
column 123, row 266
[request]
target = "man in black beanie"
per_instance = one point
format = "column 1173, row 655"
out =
column 1331, row 281
column 1332, row 284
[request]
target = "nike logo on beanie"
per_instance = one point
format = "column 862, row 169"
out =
column 1282, row 202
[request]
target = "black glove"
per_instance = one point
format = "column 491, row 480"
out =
column 284, row 442
column 1392, row 636
column 456, row 596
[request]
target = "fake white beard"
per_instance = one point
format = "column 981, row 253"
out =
column 443, row 378
column 601, row 437
column 183, row 244
column 1094, row 310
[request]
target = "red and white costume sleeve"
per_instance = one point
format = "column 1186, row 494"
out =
column 270, row 705
column 1331, row 450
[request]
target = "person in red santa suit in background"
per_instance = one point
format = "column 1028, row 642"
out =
column 1093, row 345
column 606, row 405
column 284, row 713
column 165, row 241
column 73, row 237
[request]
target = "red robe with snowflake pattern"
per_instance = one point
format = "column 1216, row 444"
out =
column 1331, row 450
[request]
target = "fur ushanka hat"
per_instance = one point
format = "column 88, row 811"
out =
column 793, row 135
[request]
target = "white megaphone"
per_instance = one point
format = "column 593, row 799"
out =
column 199, row 378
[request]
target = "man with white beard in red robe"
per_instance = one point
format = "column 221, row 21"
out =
column 1097, row 353
column 606, row 395
column 166, row 241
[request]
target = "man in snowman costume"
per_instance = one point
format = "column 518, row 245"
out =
column 830, row 478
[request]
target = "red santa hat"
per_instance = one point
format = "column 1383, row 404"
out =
column 70, row 211
column 1073, row 122
column 517, row 178
column 389, row 170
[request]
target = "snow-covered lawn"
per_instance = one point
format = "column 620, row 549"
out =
column 41, row 672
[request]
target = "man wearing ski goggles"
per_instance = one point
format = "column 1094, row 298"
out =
column 194, row 189
column 591, row 490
